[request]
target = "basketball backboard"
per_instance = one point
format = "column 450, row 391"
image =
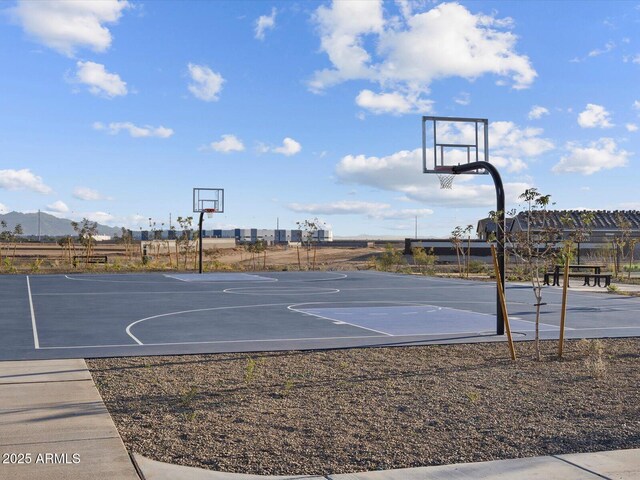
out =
column 451, row 141
column 207, row 199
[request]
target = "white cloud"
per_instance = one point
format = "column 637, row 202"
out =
column 394, row 103
column 600, row 155
column 511, row 145
column 135, row 131
column 58, row 207
column 264, row 23
column 289, row 147
column 3, row 208
column 65, row 25
column 99, row 81
column 463, row 98
column 631, row 127
column 636, row 104
column 206, row 84
column 599, row 51
column 594, row 116
column 229, row 143
column 350, row 207
column 401, row 172
column 86, row 193
column 509, row 140
column 407, row 54
column 23, row 179
column 537, row 112
column 101, row 217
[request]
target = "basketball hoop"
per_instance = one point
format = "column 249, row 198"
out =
column 446, row 181
column 209, row 212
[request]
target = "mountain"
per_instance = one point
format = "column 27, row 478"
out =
column 49, row 225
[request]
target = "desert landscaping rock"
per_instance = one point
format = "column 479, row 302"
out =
column 378, row 408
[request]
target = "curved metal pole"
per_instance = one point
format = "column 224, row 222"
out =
column 200, row 242
column 500, row 225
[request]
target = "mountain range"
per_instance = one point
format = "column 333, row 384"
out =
column 49, row 225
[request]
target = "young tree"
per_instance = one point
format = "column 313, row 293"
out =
column 534, row 245
column 621, row 240
column 310, row 237
column 255, row 249
column 183, row 241
column 86, row 230
column 457, row 238
column 579, row 230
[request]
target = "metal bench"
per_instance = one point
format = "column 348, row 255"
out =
column 89, row 259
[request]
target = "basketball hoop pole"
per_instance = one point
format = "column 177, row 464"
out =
column 200, row 242
column 500, row 226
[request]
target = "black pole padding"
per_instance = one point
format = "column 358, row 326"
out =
column 500, row 226
column 200, row 242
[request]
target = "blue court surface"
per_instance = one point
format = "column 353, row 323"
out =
column 90, row 315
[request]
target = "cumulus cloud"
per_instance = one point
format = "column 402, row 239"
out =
column 135, row 131
column 66, row 26
column 99, row 81
column 594, row 116
column 228, row 143
column 511, row 145
column 86, row 193
column 602, row 154
column 407, row 54
column 3, row 208
column 400, row 172
column 509, row 139
column 58, row 207
column 631, row 127
column 289, row 147
column 349, row 207
column 101, row 217
column 23, row 179
column 537, row 112
column 394, row 103
column 205, row 83
column 264, row 23
column 636, row 105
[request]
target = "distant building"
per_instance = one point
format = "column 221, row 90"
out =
column 241, row 235
column 606, row 225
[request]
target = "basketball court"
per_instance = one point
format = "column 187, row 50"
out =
column 90, row 315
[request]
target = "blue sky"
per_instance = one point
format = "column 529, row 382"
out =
column 114, row 110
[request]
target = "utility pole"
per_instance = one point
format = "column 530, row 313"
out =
column 38, row 225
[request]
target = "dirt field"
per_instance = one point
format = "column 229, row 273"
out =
column 367, row 409
column 51, row 257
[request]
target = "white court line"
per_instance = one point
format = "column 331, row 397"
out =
column 36, row 342
column 128, row 329
column 265, row 340
column 290, row 307
column 182, row 292
column 99, row 280
column 274, row 291
column 255, row 278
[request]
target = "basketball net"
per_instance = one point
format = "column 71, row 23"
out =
column 446, row 181
column 210, row 212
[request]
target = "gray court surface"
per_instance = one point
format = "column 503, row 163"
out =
column 78, row 316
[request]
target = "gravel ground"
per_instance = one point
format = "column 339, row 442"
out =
column 377, row 408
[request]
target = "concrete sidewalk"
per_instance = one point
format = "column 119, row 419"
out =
column 614, row 465
column 54, row 425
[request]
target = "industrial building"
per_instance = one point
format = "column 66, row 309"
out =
column 241, row 235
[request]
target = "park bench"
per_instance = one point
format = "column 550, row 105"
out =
column 89, row 259
column 586, row 276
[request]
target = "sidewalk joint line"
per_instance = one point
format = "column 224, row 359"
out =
column 581, row 468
